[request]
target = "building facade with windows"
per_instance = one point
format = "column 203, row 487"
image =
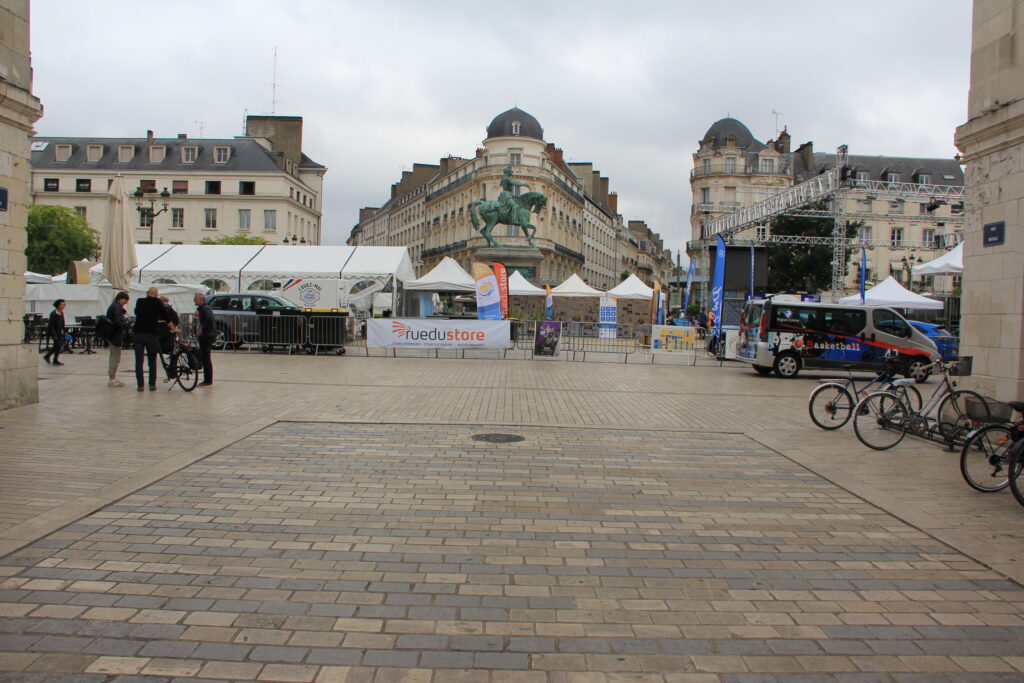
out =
column 258, row 184
column 578, row 231
column 732, row 169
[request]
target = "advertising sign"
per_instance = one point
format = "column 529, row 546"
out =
column 672, row 339
column 718, row 282
column 607, row 317
column 309, row 293
column 488, row 298
column 549, row 334
column 418, row 333
column 501, row 276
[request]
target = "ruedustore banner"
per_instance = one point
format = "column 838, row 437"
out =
column 501, row 276
column 488, row 298
column 419, row 333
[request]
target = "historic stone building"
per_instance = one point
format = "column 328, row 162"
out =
column 992, row 142
column 19, row 110
column 732, row 169
column 258, row 184
column 578, row 231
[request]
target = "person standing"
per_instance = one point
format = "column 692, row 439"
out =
column 118, row 316
column 56, row 329
column 173, row 319
column 207, row 331
column 149, row 316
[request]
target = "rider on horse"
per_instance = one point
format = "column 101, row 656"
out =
column 506, row 200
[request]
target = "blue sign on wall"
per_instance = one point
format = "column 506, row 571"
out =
column 993, row 234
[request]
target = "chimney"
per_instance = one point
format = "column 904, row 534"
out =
column 284, row 133
column 183, row 136
column 782, row 146
column 613, row 201
column 806, row 152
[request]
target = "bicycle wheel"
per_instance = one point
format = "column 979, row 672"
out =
column 1016, row 471
column 951, row 418
column 184, row 375
column 910, row 396
column 830, row 406
column 880, row 421
column 984, row 460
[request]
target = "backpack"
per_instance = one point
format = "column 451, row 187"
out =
column 105, row 328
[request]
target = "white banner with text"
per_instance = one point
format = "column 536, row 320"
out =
column 426, row 333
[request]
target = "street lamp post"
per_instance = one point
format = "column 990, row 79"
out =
column 295, row 240
column 148, row 213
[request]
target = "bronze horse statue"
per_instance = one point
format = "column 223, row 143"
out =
column 493, row 213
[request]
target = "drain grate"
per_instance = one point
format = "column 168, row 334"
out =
column 498, row 438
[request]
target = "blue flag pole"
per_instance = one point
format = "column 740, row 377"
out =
column 863, row 271
column 718, row 284
column 751, row 271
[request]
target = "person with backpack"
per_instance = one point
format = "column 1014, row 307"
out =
column 118, row 316
column 56, row 329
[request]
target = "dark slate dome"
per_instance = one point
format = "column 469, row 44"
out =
column 504, row 125
column 723, row 128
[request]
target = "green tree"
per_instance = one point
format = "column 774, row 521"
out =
column 57, row 235
column 803, row 267
column 234, row 239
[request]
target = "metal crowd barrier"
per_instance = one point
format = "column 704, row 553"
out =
column 307, row 332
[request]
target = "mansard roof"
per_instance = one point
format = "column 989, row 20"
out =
column 246, row 155
column 942, row 171
column 502, row 126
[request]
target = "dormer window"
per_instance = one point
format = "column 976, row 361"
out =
column 892, row 177
column 730, row 140
column 93, row 153
column 767, row 165
column 63, row 152
column 515, row 128
column 157, row 153
column 924, row 179
column 189, row 154
column 125, row 153
column 221, row 155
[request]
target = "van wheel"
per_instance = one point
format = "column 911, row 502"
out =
column 787, row 365
column 761, row 370
column 916, row 369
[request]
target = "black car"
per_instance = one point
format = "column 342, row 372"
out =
column 253, row 318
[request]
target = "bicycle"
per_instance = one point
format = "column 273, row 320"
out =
column 985, row 457
column 1015, row 465
column 182, row 365
column 881, row 419
column 831, row 403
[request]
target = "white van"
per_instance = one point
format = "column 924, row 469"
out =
column 787, row 336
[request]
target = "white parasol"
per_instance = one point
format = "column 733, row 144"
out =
column 118, row 251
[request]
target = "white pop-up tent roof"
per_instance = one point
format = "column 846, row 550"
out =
column 199, row 262
column 275, row 262
column 446, row 276
column 377, row 262
column 574, row 286
column 888, row 292
column 950, row 263
column 631, row 288
column 518, row 285
column 144, row 253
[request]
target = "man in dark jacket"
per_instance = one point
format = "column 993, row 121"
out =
column 207, row 332
column 118, row 316
column 149, row 316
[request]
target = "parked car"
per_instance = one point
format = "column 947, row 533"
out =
column 239, row 318
column 947, row 342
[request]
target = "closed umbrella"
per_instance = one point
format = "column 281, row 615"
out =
column 118, row 251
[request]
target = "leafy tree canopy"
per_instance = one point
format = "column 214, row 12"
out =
column 56, row 235
column 803, row 267
column 234, row 239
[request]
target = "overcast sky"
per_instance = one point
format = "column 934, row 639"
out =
column 629, row 86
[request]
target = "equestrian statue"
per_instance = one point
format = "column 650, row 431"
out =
column 508, row 209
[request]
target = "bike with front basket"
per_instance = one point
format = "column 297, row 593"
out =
column 882, row 418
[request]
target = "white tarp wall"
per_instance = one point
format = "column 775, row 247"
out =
column 144, row 253
column 93, row 300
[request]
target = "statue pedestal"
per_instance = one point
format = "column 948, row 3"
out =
column 508, row 254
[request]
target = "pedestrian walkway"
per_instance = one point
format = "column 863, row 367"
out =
column 351, row 519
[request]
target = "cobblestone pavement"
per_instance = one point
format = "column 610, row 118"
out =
column 664, row 524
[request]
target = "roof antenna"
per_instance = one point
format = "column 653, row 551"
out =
column 245, row 121
column 777, row 114
column 273, row 85
column 200, row 124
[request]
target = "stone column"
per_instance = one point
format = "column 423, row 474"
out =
column 19, row 110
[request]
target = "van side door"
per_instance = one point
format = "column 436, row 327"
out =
column 843, row 330
column 890, row 331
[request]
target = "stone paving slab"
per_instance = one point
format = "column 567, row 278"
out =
column 413, row 552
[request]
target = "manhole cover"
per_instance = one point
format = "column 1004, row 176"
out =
column 497, row 438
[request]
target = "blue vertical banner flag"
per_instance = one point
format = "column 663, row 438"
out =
column 718, row 282
column 863, row 272
column 488, row 300
column 751, row 271
column 689, row 281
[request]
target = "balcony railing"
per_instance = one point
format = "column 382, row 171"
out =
column 722, row 169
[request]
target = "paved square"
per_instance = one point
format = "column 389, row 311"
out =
column 355, row 552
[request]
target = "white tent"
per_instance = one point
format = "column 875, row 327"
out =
column 888, row 292
column 950, row 263
column 93, row 300
column 631, row 288
column 37, row 278
column 196, row 263
column 518, row 285
column 446, row 276
column 278, row 262
column 574, row 286
column 146, row 254
column 379, row 262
